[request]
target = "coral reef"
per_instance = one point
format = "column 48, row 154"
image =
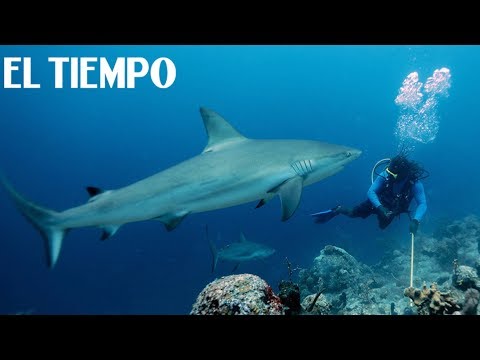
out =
column 465, row 277
column 321, row 306
column 289, row 295
column 338, row 284
column 243, row 294
column 337, row 269
column 348, row 285
column 458, row 239
column 470, row 305
column 430, row 301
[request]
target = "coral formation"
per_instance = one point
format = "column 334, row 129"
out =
column 243, row 294
column 290, row 297
column 458, row 239
column 321, row 306
column 465, row 277
column 470, row 305
column 430, row 301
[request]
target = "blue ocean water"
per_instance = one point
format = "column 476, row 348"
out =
column 55, row 142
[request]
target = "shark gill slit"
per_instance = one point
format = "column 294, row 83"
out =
column 303, row 163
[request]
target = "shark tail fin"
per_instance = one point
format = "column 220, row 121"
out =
column 213, row 250
column 44, row 220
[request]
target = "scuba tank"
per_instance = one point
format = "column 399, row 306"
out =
column 397, row 203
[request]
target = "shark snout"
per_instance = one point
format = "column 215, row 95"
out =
column 354, row 153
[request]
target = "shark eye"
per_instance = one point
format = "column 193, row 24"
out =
column 348, row 154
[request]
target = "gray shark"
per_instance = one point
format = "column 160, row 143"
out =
column 239, row 252
column 231, row 170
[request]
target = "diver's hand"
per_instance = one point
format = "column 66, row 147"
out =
column 414, row 226
column 384, row 213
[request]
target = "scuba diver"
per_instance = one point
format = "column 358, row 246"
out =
column 389, row 195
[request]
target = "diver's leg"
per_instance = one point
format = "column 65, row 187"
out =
column 363, row 210
column 384, row 222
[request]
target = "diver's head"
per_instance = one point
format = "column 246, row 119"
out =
column 399, row 167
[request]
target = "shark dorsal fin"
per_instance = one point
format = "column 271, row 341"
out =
column 242, row 237
column 93, row 191
column 219, row 131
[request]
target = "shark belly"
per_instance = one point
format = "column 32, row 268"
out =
column 144, row 201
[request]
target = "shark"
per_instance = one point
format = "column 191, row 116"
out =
column 238, row 252
column 232, row 169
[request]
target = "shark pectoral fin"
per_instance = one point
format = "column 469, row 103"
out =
column 172, row 220
column 235, row 267
column 266, row 199
column 290, row 193
column 108, row 231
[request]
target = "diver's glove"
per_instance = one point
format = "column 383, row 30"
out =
column 383, row 212
column 414, row 226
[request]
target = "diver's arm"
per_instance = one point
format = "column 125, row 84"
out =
column 375, row 188
column 419, row 194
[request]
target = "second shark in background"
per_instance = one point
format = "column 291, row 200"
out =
column 238, row 252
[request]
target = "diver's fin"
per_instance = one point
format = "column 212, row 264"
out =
column 324, row 216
